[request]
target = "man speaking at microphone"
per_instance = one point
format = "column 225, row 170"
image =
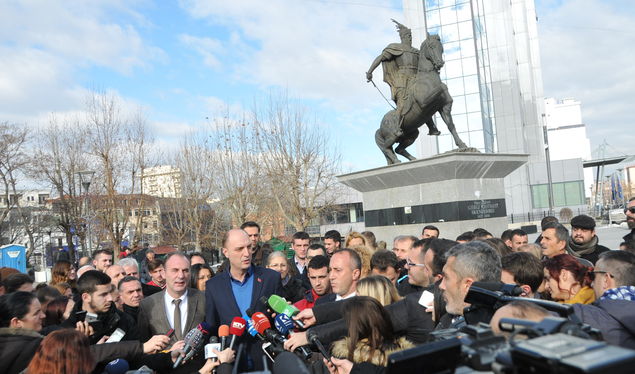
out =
column 177, row 308
column 231, row 293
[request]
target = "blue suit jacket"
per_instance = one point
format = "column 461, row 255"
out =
column 220, row 304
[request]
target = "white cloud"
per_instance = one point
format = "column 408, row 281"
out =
column 586, row 52
column 206, row 47
column 316, row 50
column 44, row 47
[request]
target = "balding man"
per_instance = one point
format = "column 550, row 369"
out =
column 231, row 293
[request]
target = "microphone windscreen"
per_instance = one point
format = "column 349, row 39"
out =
column 283, row 323
column 118, row 366
column 223, row 330
column 237, row 326
column 213, row 340
column 204, row 327
column 278, row 304
column 251, row 328
column 287, row 362
column 261, row 322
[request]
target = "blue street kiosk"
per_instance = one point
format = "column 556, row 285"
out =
column 13, row 256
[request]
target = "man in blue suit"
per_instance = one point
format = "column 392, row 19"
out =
column 238, row 289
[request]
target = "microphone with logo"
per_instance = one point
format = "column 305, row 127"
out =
column 236, row 330
column 262, row 324
column 223, row 333
column 279, row 305
column 285, row 325
column 194, row 342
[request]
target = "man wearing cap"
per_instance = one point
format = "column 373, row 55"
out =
column 583, row 241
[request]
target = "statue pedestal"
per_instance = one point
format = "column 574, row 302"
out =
column 456, row 192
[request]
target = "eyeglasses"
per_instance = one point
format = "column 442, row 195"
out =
column 631, row 209
column 602, row 272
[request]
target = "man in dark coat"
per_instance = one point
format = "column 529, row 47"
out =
column 614, row 286
column 238, row 289
column 583, row 242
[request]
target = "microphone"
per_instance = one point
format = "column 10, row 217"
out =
column 118, row 366
column 213, row 344
column 251, row 329
column 313, row 339
column 506, row 289
column 284, row 324
column 262, row 324
column 194, row 342
column 279, row 305
column 223, row 333
column 236, row 330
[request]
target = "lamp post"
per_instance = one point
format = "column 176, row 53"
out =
column 85, row 178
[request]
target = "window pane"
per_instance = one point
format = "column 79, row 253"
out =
column 460, row 122
column 473, row 103
column 453, row 69
column 471, row 84
column 455, row 87
column 469, row 66
column 433, row 18
column 449, row 33
column 465, row 30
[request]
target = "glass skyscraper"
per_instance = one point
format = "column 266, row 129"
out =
column 492, row 70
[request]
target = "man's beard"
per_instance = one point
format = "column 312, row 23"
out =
column 631, row 223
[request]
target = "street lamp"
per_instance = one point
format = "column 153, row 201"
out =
column 85, row 178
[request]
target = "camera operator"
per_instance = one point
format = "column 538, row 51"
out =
column 466, row 263
column 614, row 288
column 524, row 270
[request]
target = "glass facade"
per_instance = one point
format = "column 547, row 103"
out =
column 492, row 70
column 466, row 72
column 564, row 194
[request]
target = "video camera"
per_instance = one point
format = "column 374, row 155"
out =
column 555, row 345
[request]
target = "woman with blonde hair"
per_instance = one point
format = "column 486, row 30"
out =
column 365, row 255
column 354, row 239
column 370, row 337
column 379, row 288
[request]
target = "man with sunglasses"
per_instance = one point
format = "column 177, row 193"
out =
column 630, row 220
column 614, row 287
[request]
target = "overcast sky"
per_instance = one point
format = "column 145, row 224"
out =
column 185, row 60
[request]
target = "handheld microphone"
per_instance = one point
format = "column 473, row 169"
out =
column 285, row 325
column 213, row 344
column 223, row 333
column 262, row 324
column 279, row 305
column 194, row 342
column 236, row 330
column 313, row 339
column 118, row 366
column 252, row 330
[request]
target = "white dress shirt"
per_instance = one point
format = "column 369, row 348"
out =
column 338, row 297
column 169, row 310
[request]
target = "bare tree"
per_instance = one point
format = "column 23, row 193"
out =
column 233, row 152
column 298, row 158
column 58, row 155
column 118, row 143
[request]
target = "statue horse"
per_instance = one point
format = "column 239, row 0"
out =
column 426, row 95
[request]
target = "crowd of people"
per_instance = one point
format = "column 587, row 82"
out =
column 359, row 299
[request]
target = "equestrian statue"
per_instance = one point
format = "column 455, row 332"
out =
column 416, row 88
